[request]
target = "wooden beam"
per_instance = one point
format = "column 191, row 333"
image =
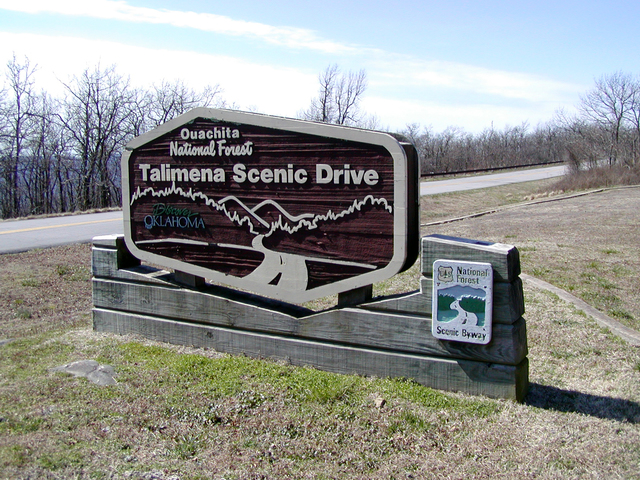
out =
column 385, row 337
column 371, row 329
column 355, row 297
column 477, row 378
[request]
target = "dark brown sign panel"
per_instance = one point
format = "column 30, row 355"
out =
column 289, row 209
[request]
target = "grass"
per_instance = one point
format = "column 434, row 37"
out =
column 170, row 408
column 435, row 208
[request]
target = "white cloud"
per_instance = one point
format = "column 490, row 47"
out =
column 272, row 90
column 208, row 22
column 402, row 88
column 393, row 73
column 396, row 99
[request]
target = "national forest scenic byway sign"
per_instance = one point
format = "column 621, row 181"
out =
column 462, row 301
column 285, row 208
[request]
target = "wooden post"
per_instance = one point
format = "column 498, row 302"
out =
column 355, row 297
column 188, row 279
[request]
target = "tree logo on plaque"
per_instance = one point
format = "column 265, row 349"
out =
column 289, row 209
column 462, row 301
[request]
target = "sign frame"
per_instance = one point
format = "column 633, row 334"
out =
column 405, row 200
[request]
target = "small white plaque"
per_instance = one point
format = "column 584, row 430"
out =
column 462, row 301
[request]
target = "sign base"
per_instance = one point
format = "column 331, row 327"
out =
column 385, row 337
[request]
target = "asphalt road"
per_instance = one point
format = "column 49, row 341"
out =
column 21, row 235
column 492, row 180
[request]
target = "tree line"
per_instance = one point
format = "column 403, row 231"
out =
column 63, row 154
column 605, row 130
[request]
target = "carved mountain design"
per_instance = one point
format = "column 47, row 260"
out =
column 268, row 216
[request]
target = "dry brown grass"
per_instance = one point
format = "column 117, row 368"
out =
column 188, row 413
column 586, row 245
column 44, row 290
column 599, row 177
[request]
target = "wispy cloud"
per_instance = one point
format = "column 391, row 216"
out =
column 396, row 70
column 292, row 37
column 425, row 74
column 250, row 85
column 402, row 87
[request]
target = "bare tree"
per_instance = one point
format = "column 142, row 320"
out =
column 348, row 92
column 454, row 150
column 59, row 155
column 18, row 114
column 171, row 99
column 609, row 105
column 633, row 116
column 166, row 101
column 95, row 118
column 46, row 169
column 338, row 99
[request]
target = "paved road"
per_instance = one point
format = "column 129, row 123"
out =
column 21, row 235
column 493, row 180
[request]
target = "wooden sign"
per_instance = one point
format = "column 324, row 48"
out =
column 462, row 301
column 285, row 208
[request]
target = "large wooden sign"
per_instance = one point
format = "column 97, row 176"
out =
column 289, row 209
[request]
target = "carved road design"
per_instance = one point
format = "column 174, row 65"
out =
column 286, row 270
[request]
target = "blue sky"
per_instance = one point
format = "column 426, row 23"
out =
column 460, row 63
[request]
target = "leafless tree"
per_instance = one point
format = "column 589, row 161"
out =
column 338, row 99
column 96, row 110
column 609, row 106
column 166, row 101
column 64, row 154
column 37, row 167
column 171, row 99
column 19, row 109
column 633, row 118
column 454, row 150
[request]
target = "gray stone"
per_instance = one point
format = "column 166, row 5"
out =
column 91, row 370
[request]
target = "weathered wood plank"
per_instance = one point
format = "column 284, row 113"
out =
column 477, row 378
column 415, row 303
column 397, row 327
column 508, row 301
column 387, row 330
column 105, row 261
column 504, row 258
column 188, row 279
column 115, row 241
column 407, row 333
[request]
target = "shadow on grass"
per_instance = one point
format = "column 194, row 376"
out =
column 552, row 398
